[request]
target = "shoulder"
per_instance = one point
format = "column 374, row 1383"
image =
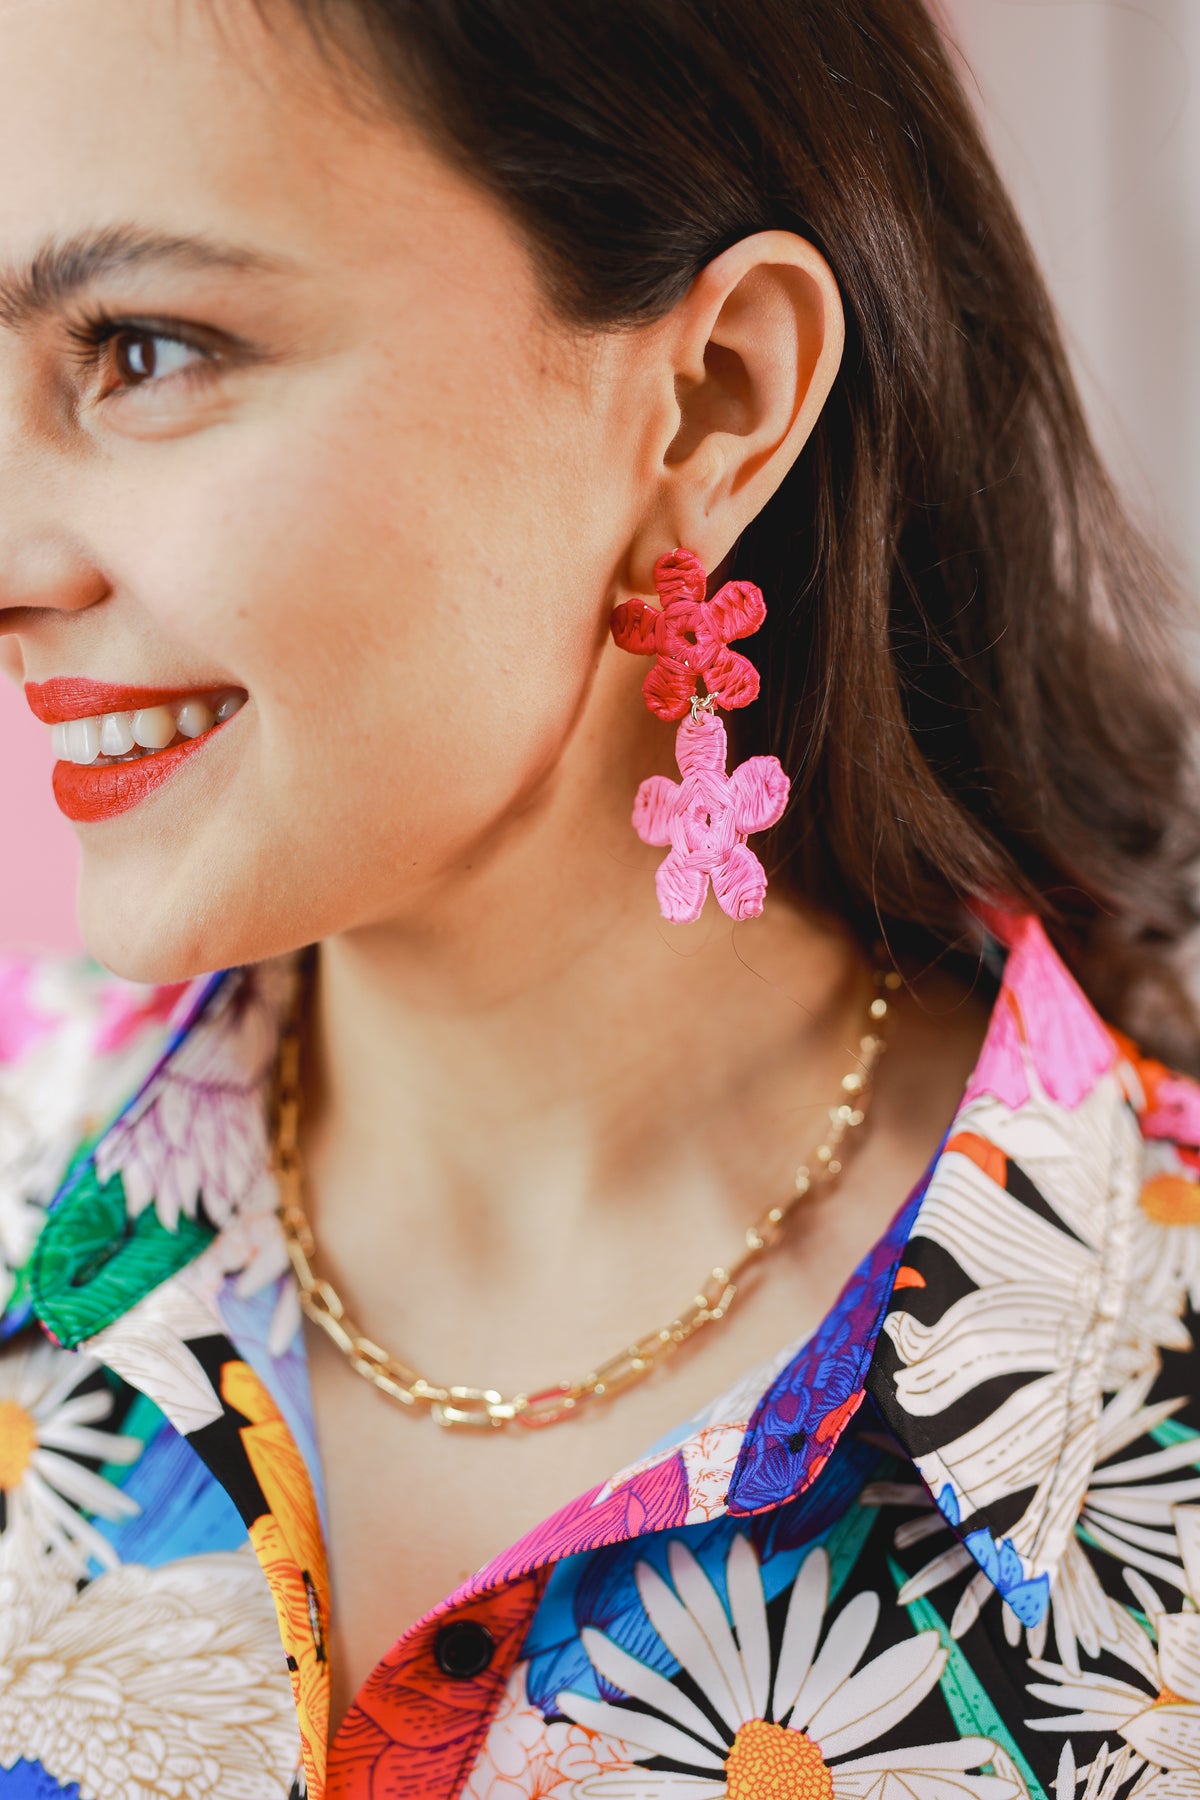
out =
column 74, row 1042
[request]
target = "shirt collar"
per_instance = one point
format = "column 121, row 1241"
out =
column 1015, row 1307
column 985, row 1325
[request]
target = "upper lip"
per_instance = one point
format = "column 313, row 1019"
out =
column 67, row 697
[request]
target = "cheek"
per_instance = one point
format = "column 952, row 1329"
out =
column 409, row 613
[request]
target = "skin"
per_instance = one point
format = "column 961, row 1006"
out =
column 398, row 516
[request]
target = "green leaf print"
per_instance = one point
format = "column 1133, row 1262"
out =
column 1169, row 1433
column 970, row 1708
column 93, row 1262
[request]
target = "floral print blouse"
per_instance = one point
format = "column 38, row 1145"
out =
column 946, row 1548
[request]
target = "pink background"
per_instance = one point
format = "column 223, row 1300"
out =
column 38, row 860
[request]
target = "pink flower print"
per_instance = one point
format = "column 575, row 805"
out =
column 22, row 1022
column 1167, row 1103
column 199, row 1126
column 125, row 1009
column 1042, row 1021
column 654, row 1499
column 1176, row 1112
column 690, row 636
column 705, row 819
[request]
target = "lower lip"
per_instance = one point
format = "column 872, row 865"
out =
column 87, row 794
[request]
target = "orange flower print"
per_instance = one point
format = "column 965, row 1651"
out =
column 288, row 1543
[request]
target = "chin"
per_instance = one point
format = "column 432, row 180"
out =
column 152, row 939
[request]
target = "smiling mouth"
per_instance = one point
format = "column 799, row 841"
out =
column 104, row 739
column 109, row 755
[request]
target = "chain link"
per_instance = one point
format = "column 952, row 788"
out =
column 474, row 1409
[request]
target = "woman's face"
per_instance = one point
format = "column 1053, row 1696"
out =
column 362, row 480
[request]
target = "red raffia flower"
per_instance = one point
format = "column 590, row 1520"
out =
column 690, row 636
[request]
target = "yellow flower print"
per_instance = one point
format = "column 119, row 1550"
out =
column 287, row 1541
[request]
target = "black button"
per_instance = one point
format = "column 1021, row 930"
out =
column 463, row 1649
column 797, row 1442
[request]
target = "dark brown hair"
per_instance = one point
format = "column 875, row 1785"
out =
column 972, row 664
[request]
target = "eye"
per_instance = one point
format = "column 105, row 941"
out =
column 140, row 356
column 137, row 354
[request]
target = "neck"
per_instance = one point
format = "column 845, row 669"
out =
column 494, row 1085
column 531, row 1060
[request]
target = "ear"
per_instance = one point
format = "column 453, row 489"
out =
column 742, row 365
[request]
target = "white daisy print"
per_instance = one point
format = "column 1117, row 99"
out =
column 1101, row 1779
column 1127, row 1512
column 1169, row 1244
column 1050, row 1302
column 1158, row 1715
column 791, row 1723
column 46, row 1426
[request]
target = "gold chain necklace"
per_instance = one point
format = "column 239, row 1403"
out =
column 484, row 1407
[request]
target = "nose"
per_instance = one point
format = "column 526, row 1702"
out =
column 44, row 571
column 44, row 566
column 40, row 573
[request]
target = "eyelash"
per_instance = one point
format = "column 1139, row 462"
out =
column 94, row 331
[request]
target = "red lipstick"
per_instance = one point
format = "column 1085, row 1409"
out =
column 75, row 697
column 88, row 793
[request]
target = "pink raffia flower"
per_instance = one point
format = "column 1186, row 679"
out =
column 705, row 819
column 690, row 636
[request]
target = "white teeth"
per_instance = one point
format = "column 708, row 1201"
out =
column 195, row 717
column 82, row 744
column 153, row 727
column 116, row 737
column 119, row 736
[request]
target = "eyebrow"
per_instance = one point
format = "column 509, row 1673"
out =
column 62, row 267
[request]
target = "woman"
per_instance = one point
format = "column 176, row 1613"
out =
column 376, row 378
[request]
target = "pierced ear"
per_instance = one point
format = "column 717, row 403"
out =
column 757, row 343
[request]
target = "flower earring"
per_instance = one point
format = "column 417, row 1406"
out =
column 705, row 818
